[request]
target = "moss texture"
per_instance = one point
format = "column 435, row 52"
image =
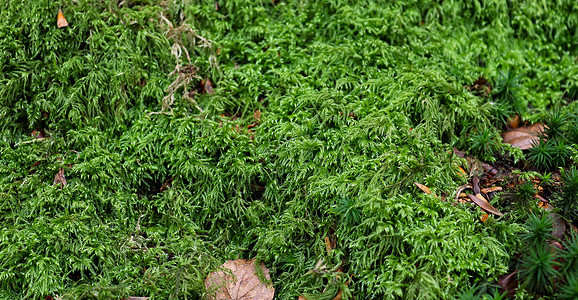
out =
column 319, row 118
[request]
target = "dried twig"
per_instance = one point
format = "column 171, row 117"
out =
column 184, row 73
column 32, row 141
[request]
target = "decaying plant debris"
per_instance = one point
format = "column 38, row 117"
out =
column 209, row 131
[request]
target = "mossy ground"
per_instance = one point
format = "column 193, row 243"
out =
column 322, row 115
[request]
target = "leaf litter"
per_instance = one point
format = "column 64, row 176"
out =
column 239, row 280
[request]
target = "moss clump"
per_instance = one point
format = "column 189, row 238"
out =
column 311, row 102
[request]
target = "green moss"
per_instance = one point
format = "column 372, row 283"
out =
column 356, row 99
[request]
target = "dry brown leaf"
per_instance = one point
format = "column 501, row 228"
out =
column 489, row 169
column 209, row 87
column 59, row 178
column 545, row 206
column 513, row 121
column 422, row 187
column 338, row 296
column 458, row 153
column 328, row 247
column 39, row 134
column 242, row 284
column 491, row 189
column 484, row 218
column 483, row 203
column 461, row 172
column 61, row 20
column 476, row 184
column 460, row 189
column 558, row 225
column 522, row 137
column 509, row 284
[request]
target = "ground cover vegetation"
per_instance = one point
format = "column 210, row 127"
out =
column 148, row 142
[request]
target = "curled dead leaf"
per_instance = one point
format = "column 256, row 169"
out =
column 513, row 121
column 422, row 187
column 460, row 189
column 61, row 20
column 242, row 283
column 483, row 203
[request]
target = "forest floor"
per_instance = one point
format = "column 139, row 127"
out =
column 317, row 149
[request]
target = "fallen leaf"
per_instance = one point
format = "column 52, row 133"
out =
column 59, row 178
column 329, row 244
column 556, row 246
column 545, row 206
column 476, row 184
column 460, row 189
column 209, row 87
column 483, row 203
column 461, row 171
column 540, row 198
column 338, row 296
column 522, row 137
column 491, row 189
column 558, row 225
column 422, row 187
column 257, row 115
column 39, row 134
column 509, row 284
column 460, row 154
column 513, row 121
column 61, row 20
column 489, row 169
column 484, row 218
column 241, row 283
